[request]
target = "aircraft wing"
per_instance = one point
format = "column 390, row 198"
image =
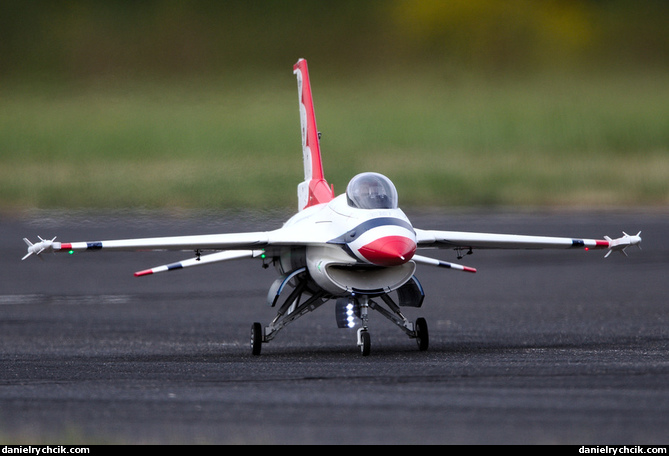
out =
column 284, row 236
column 199, row 242
column 227, row 247
column 246, row 244
column 471, row 240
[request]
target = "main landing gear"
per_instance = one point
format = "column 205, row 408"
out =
column 419, row 333
column 349, row 312
column 417, row 330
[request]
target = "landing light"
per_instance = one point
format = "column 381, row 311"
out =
column 350, row 316
column 346, row 313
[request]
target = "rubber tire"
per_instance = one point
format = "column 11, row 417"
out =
column 256, row 338
column 422, row 335
column 366, row 345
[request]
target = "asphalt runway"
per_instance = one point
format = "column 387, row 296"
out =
column 538, row 347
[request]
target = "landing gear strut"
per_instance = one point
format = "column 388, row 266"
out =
column 292, row 308
column 364, row 339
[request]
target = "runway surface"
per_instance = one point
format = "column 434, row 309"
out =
column 538, row 347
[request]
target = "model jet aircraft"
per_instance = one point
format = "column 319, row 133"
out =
column 357, row 249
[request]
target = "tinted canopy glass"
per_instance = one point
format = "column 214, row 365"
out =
column 371, row 191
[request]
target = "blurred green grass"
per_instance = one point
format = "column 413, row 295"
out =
column 566, row 140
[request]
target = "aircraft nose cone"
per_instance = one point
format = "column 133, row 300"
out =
column 389, row 251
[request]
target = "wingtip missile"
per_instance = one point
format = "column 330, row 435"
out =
column 39, row 247
column 621, row 243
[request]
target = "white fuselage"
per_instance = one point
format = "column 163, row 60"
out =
column 350, row 250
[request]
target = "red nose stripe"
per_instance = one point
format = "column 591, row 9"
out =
column 389, row 251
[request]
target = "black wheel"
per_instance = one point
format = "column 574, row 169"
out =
column 365, row 343
column 422, row 337
column 256, row 338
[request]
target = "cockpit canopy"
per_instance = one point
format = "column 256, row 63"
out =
column 371, row 191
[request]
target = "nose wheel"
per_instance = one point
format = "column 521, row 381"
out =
column 364, row 341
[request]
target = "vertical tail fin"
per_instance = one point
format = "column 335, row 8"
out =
column 314, row 190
